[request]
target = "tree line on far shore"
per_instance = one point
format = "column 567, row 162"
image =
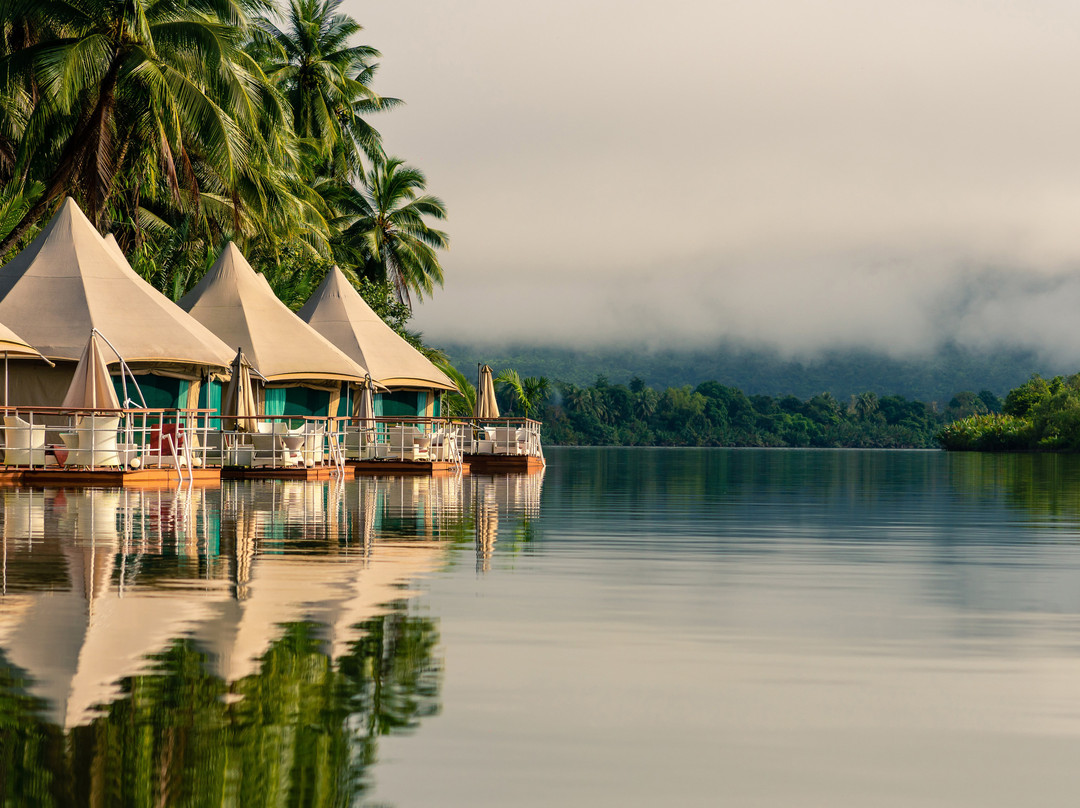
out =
column 712, row 414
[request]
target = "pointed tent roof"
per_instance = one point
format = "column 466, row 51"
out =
column 233, row 302
column 14, row 345
column 69, row 281
column 337, row 311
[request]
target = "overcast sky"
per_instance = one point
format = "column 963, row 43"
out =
column 808, row 173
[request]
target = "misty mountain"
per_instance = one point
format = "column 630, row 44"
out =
column 758, row 371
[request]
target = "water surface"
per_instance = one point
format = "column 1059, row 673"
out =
column 632, row 627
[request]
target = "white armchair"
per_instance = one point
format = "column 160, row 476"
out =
column 24, row 445
column 95, row 442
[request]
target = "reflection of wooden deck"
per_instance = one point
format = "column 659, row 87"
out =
column 280, row 473
column 503, row 464
column 434, row 468
column 106, row 477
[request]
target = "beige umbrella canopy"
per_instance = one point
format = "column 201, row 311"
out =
column 337, row 311
column 486, row 405
column 238, row 403
column 92, row 387
column 240, row 308
column 11, row 344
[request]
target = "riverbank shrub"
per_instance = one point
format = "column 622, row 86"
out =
column 989, row 432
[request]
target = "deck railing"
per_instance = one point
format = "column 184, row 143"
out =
column 281, row 441
column 102, row 438
column 403, row 438
column 503, row 436
column 183, row 439
column 442, row 439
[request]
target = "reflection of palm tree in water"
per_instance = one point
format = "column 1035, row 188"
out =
column 303, row 731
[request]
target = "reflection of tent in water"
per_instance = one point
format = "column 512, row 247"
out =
column 335, row 592
column 76, row 643
column 77, row 634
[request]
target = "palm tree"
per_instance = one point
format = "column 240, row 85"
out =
column 527, row 393
column 865, row 404
column 326, row 81
column 389, row 236
column 165, row 82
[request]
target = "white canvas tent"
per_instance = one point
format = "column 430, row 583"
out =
column 69, row 281
column 241, row 309
column 337, row 311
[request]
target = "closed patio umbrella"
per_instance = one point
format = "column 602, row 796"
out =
column 486, row 406
column 365, row 408
column 92, row 387
column 238, row 404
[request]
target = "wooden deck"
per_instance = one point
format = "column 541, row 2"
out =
column 433, row 468
column 121, row 478
column 503, row 464
column 281, row 473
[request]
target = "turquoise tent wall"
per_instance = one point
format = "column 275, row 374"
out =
column 400, row 403
column 305, row 401
column 160, row 392
column 210, row 398
column 274, row 401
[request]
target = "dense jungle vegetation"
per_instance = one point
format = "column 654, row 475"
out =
column 712, row 414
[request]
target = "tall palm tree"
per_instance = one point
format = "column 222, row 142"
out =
column 165, row 79
column 389, row 236
column 325, row 79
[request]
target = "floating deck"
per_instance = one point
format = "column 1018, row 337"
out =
column 503, row 464
column 281, row 473
column 433, row 468
column 72, row 478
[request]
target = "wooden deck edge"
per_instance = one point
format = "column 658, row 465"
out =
column 437, row 468
column 71, row 478
column 504, row 464
column 281, row 473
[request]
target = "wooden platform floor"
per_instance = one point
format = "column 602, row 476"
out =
column 73, row 478
column 281, row 473
column 503, row 464
column 436, row 468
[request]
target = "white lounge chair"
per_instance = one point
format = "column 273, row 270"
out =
column 269, row 450
column 508, row 440
column 95, row 442
column 24, row 446
column 407, row 443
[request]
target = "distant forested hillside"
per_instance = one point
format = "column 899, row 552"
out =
column 764, row 372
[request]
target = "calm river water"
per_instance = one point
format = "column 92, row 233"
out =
column 630, row 628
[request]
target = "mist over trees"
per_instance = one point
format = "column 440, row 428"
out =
column 760, row 371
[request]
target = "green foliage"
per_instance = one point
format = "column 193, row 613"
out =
column 713, row 414
column 461, row 404
column 988, row 432
column 1023, row 399
column 179, row 126
column 1039, row 415
column 526, row 394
